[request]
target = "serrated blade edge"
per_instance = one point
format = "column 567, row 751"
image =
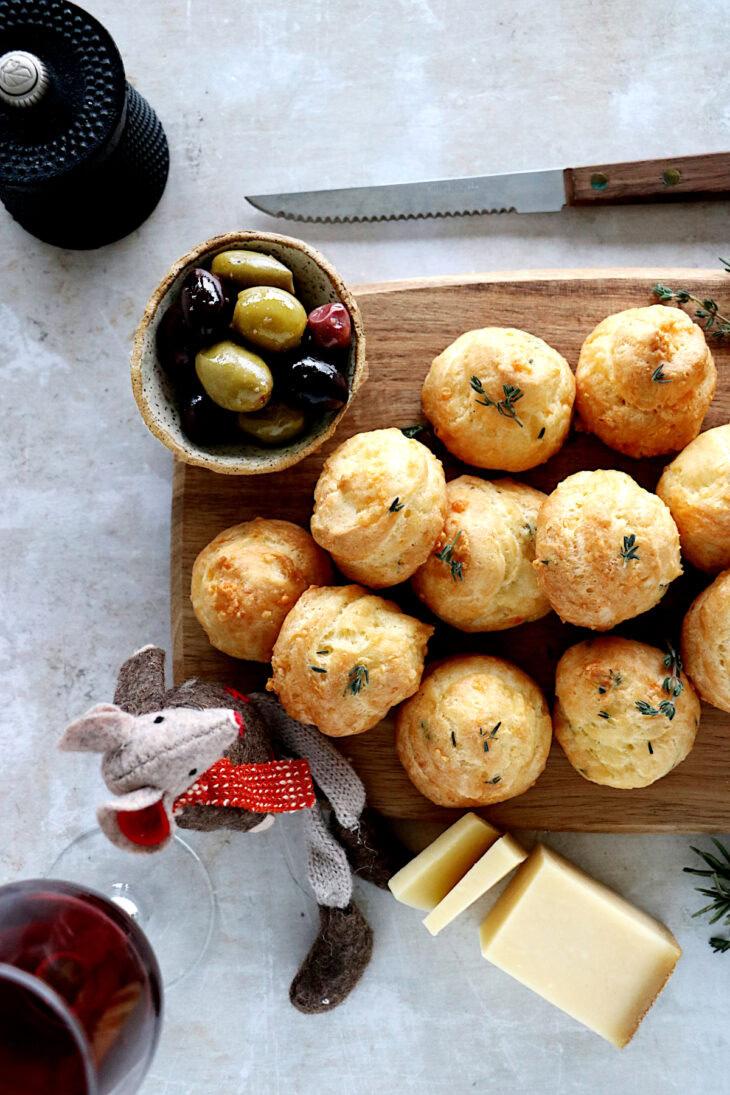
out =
column 519, row 192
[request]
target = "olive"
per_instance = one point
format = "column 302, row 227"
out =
column 270, row 318
column 203, row 303
column 233, row 377
column 274, row 425
column 176, row 347
column 311, row 382
column 203, row 421
column 249, row 268
column 330, row 326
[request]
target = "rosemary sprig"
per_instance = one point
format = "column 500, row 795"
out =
column 358, row 679
column 603, row 715
column 316, row 669
column 719, row 893
column 658, row 375
column 396, row 505
column 446, row 555
column 708, row 314
column 615, row 678
column 630, row 548
column 506, row 406
column 412, row 431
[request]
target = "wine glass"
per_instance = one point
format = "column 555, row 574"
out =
column 154, row 890
column 80, row 993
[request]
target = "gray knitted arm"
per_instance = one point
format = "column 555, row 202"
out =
column 330, row 771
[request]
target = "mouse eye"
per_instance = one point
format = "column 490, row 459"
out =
column 160, row 718
column 193, row 772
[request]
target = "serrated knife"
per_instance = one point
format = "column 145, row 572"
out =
column 686, row 178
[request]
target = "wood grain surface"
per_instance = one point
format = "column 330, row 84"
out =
column 407, row 324
column 679, row 179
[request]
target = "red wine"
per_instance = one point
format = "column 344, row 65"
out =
column 80, row 994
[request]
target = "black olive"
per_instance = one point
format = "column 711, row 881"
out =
column 176, row 347
column 311, row 382
column 204, row 303
column 203, row 421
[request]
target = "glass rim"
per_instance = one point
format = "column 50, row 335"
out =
column 58, row 1005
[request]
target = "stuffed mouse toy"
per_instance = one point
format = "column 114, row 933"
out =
column 203, row 756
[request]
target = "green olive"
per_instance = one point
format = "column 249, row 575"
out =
column 247, row 268
column 274, row 425
column 233, row 377
column 270, row 318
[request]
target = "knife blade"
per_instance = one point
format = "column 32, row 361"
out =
column 680, row 179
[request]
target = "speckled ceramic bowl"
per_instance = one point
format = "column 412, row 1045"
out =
column 316, row 281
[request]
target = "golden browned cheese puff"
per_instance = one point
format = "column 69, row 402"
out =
column 645, row 379
column 696, row 487
column 706, row 642
column 624, row 713
column 606, row 549
column 477, row 731
column 480, row 577
column 344, row 657
column 247, row 579
column 379, row 505
column 500, row 398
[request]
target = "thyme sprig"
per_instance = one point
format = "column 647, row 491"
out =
column 506, row 406
column 718, row 870
column 708, row 313
column 357, row 679
column 630, row 548
column 672, row 685
column 446, row 555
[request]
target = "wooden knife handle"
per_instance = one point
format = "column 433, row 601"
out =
column 682, row 179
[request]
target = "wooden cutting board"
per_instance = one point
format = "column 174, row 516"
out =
column 407, row 323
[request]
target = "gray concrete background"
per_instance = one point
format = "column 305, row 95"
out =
column 287, row 95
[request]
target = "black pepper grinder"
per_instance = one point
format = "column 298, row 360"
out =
column 83, row 157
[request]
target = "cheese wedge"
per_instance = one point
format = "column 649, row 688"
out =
column 579, row 945
column 427, row 879
column 503, row 856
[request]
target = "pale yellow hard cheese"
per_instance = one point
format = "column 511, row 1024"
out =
column 496, row 863
column 427, row 879
column 579, row 945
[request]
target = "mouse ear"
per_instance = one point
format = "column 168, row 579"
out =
column 103, row 727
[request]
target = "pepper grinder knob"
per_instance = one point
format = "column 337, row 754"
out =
column 23, row 78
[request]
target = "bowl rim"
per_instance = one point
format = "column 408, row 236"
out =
column 241, row 466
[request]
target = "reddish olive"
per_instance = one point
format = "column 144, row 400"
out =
column 330, row 326
column 203, row 303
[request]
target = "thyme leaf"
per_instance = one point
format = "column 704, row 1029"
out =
column 316, row 669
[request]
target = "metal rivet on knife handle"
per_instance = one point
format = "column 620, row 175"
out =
column 671, row 176
column 599, row 181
